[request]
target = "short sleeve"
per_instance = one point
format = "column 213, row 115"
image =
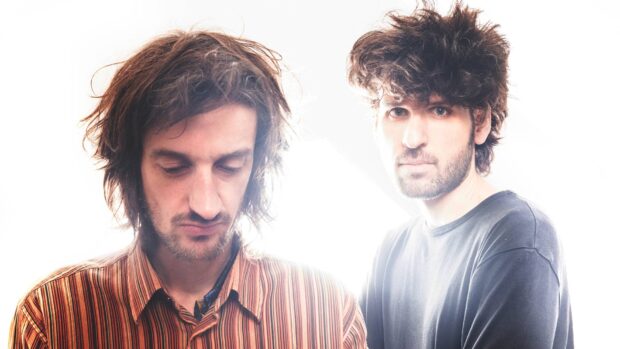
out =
column 515, row 301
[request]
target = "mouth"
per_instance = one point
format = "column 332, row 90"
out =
column 415, row 168
column 415, row 163
column 200, row 230
column 411, row 159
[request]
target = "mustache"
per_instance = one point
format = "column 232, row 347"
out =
column 193, row 217
column 411, row 155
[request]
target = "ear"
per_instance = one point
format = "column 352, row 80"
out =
column 482, row 124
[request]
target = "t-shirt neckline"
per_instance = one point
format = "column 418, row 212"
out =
column 442, row 229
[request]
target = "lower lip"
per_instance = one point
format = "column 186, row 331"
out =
column 196, row 230
column 420, row 165
column 415, row 167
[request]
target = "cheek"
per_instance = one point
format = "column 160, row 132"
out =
column 147, row 184
column 161, row 195
column 233, row 191
column 450, row 134
column 389, row 138
column 452, row 142
column 389, row 149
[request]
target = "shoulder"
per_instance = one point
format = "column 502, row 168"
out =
column 279, row 272
column 289, row 285
column 75, row 278
column 285, row 282
column 54, row 298
column 291, row 291
column 516, row 224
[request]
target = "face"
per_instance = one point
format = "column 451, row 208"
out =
column 194, row 176
column 429, row 146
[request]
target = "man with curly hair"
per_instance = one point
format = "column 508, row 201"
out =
column 480, row 268
column 188, row 133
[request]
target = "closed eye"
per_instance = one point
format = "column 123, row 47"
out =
column 174, row 170
column 229, row 169
column 233, row 164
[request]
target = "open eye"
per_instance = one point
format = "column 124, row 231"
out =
column 440, row 111
column 398, row 113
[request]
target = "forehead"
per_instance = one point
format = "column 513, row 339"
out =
column 224, row 129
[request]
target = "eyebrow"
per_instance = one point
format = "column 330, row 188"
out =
column 239, row 154
column 438, row 101
column 166, row 153
column 390, row 101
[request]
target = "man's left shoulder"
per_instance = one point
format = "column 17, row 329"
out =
column 524, row 222
column 283, row 272
column 316, row 294
column 306, row 299
column 519, row 224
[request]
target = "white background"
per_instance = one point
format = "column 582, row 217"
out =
column 559, row 149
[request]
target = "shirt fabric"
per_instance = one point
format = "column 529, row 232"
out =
column 119, row 302
column 202, row 305
column 494, row 278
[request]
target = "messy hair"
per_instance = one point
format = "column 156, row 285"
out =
column 451, row 56
column 171, row 79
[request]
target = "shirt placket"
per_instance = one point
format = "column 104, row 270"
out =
column 209, row 321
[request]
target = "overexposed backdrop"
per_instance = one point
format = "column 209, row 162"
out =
column 560, row 146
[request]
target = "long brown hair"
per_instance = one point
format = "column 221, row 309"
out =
column 426, row 53
column 171, row 79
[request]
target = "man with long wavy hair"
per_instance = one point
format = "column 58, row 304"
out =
column 189, row 133
column 480, row 268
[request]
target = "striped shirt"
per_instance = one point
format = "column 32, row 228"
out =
column 119, row 302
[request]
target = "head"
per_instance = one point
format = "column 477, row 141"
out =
column 426, row 74
column 189, row 132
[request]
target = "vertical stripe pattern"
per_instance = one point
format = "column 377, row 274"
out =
column 118, row 302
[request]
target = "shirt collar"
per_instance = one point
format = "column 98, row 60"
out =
column 142, row 280
column 245, row 279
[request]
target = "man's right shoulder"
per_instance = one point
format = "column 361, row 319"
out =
column 65, row 293
column 91, row 273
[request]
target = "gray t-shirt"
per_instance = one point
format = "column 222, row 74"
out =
column 493, row 278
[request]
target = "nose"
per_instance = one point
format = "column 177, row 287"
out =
column 204, row 198
column 415, row 133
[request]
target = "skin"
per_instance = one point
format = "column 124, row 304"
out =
column 429, row 147
column 195, row 174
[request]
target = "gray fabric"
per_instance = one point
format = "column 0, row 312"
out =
column 494, row 278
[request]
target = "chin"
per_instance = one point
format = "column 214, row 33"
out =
column 203, row 249
column 197, row 254
column 426, row 196
column 419, row 190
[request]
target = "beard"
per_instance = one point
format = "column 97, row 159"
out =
column 204, row 249
column 448, row 177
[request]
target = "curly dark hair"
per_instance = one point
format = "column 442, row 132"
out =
column 451, row 56
column 171, row 79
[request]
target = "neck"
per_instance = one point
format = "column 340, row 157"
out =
column 186, row 280
column 456, row 203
